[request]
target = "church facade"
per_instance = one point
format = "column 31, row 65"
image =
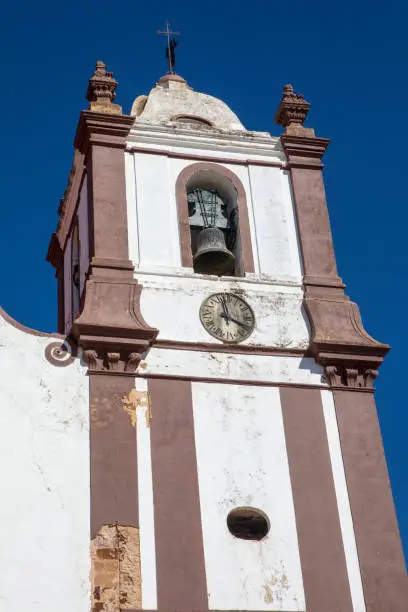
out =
column 201, row 433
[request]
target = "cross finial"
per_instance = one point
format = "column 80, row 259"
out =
column 171, row 47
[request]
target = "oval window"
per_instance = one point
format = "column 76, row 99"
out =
column 248, row 523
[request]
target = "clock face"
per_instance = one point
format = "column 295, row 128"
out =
column 227, row 317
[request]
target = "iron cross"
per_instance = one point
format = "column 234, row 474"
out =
column 171, row 46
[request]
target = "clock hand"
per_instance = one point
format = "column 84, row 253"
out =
column 225, row 314
column 239, row 323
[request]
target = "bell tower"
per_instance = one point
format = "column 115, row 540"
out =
column 236, row 460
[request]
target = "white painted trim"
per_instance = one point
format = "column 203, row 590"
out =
column 238, row 145
column 252, row 225
column 131, row 202
column 292, row 229
column 343, row 503
column 146, row 507
column 286, row 286
column 235, row 367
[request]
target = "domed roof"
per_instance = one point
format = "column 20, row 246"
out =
column 173, row 100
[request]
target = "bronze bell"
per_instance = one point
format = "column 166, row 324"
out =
column 212, row 256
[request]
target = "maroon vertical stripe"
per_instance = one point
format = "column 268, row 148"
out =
column 114, row 493
column 375, row 524
column 181, row 580
column 317, row 519
column 61, row 299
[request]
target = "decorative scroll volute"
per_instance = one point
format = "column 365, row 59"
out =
column 111, row 329
column 352, row 378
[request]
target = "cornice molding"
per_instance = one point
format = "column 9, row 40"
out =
column 66, row 210
column 304, row 151
column 210, row 158
column 102, row 129
column 236, row 349
column 54, row 253
column 172, row 140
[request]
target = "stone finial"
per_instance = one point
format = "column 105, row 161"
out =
column 292, row 110
column 101, row 91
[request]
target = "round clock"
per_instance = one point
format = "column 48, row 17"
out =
column 227, row 317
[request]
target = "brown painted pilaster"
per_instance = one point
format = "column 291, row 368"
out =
column 102, row 139
column 108, row 205
column 110, row 328
column 351, row 357
column 114, row 489
column 382, row 565
column 304, row 155
column 317, row 518
column 339, row 339
column 181, row 579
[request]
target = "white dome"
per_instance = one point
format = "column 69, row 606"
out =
column 173, row 100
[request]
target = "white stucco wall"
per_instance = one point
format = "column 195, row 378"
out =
column 172, row 294
column 256, row 368
column 157, row 228
column 240, row 442
column 153, row 222
column 44, row 478
column 172, row 303
column 242, row 461
column 276, row 239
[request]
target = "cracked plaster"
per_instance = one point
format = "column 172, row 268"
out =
column 44, row 515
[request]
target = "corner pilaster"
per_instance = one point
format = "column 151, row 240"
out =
column 339, row 341
column 110, row 328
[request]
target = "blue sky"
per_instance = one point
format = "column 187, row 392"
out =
column 348, row 59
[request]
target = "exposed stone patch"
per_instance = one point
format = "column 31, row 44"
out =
column 276, row 587
column 134, row 400
column 116, row 582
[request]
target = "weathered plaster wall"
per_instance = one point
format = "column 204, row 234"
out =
column 172, row 303
column 242, row 461
column 261, row 368
column 157, row 228
column 44, row 478
column 153, row 223
column 172, row 294
column 239, row 437
column 275, row 227
column 171, row 98
column 241, row 457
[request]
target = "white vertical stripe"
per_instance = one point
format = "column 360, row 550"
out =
column 343, row 503
column 146, row 508
column 292, row 229
column 252, row 224
column 131, row 202
column 174, row 228
column 242, row 461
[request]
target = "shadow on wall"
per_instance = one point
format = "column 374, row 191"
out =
column 309, row 364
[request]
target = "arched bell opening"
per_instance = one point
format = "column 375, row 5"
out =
column 214, row 225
